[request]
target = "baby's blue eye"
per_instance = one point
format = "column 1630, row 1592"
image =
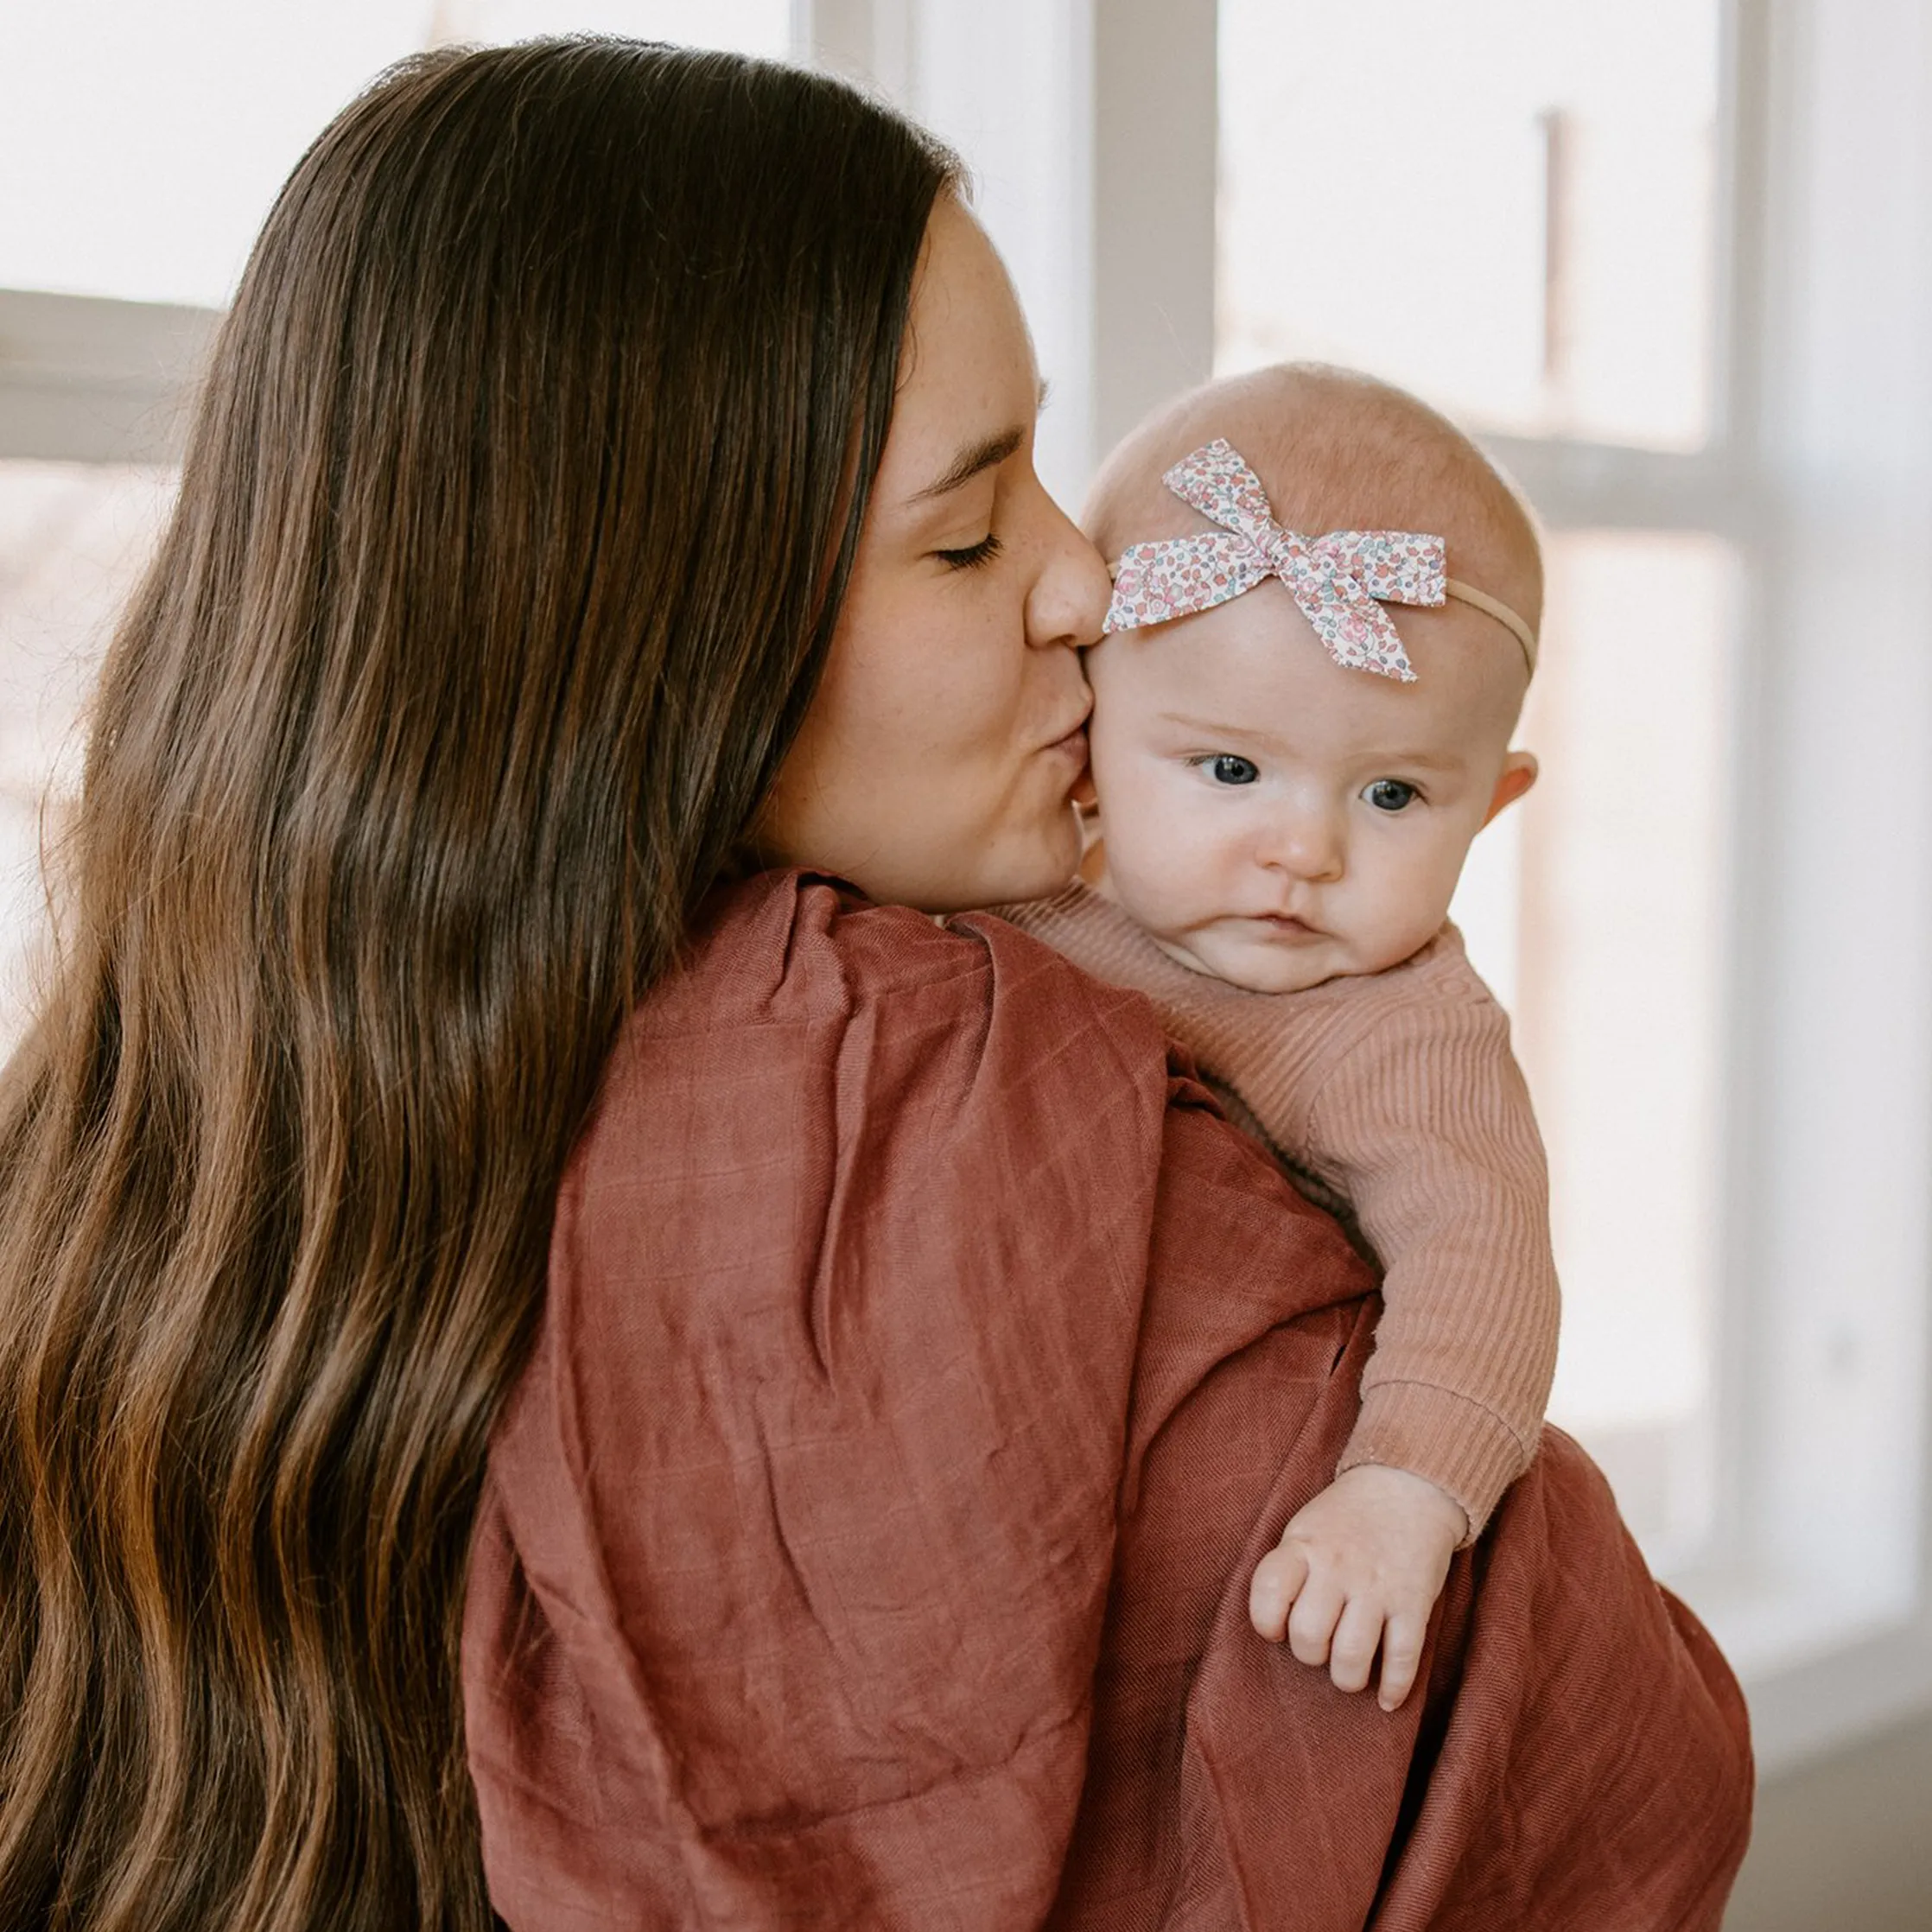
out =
column 1230, row 770
column 1389, row 794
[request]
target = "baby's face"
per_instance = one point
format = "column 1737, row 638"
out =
column 1275, row 820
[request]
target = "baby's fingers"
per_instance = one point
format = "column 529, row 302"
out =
column 1272, row 1591
column 1352, row 1656
column 1401, row 1657
column 1313, row 1621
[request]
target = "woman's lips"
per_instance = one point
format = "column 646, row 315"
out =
column 1073, row 747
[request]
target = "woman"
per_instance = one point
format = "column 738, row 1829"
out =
column 615, row 478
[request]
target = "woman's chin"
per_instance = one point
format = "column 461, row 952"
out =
column 989, row 865
column 1048, row 869
column 1004, row 874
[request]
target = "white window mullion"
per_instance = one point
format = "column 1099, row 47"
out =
column 1591, row 486
column 1089, row 127
column 85, row 379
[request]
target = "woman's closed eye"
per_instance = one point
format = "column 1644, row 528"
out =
column 1391, row 794
column 973, row 555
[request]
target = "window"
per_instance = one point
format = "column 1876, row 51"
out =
column 1620, row 957
column 140, row 147
column 1663, row 258
column 1691, row 297
column 73, row 538
column 1508, row 206
column 148, row 178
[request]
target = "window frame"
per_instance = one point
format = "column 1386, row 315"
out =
column 1819, row 1589
column 1826, row 1610
column 90, row 379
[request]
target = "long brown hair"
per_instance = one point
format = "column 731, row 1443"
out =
column 509, row 545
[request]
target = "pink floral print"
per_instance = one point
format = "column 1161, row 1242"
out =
column 1336, row 580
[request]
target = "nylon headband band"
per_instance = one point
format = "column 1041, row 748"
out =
column 1494, row 606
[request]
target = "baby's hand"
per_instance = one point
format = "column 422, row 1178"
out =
column 1360, row 1568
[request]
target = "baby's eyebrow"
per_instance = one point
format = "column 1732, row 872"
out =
column 1220, row 728
column 1428, row 761
column 1250, row 734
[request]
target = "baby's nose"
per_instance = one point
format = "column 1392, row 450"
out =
column 1308, row 844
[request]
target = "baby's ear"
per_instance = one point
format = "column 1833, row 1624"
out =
column 1519, row 773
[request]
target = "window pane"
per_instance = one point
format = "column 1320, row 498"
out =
column 1506, row 205
column 1599, row 917
column 74, row 539
column 745, row 26
column 142, row 143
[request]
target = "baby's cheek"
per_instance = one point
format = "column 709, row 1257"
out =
column 1406, row 904
column 1111, row 748
column 1169, row 857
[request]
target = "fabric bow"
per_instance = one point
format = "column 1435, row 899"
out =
column 1339, row 581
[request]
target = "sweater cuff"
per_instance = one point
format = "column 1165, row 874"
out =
column 1465, row 1450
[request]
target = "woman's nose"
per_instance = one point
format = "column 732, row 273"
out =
column 1068, row 602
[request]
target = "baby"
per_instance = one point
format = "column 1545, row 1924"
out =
column 1323, row 626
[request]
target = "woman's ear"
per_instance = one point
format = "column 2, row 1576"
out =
column 1519, row 773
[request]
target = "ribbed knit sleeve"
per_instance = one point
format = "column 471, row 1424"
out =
column 1399, row 1092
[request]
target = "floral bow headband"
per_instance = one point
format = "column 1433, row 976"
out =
column 1340, row 581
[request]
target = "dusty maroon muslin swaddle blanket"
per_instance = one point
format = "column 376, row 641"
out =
column 925, row 1366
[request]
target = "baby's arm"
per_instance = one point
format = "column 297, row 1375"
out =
column 1399, row 1093
column 1424, row 1124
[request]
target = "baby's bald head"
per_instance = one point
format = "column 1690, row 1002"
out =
column 1269, row 815
column 1334, row 450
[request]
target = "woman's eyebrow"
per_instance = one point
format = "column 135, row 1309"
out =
column 986, row 453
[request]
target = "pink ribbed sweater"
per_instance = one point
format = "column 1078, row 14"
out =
column 1397, row 1096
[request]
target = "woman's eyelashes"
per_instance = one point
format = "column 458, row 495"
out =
column 1391, row 794
column 973, row 555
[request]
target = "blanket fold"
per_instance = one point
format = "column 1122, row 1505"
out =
column 925, row 1364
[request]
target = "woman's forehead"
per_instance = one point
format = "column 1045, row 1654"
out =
column 968, row 380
